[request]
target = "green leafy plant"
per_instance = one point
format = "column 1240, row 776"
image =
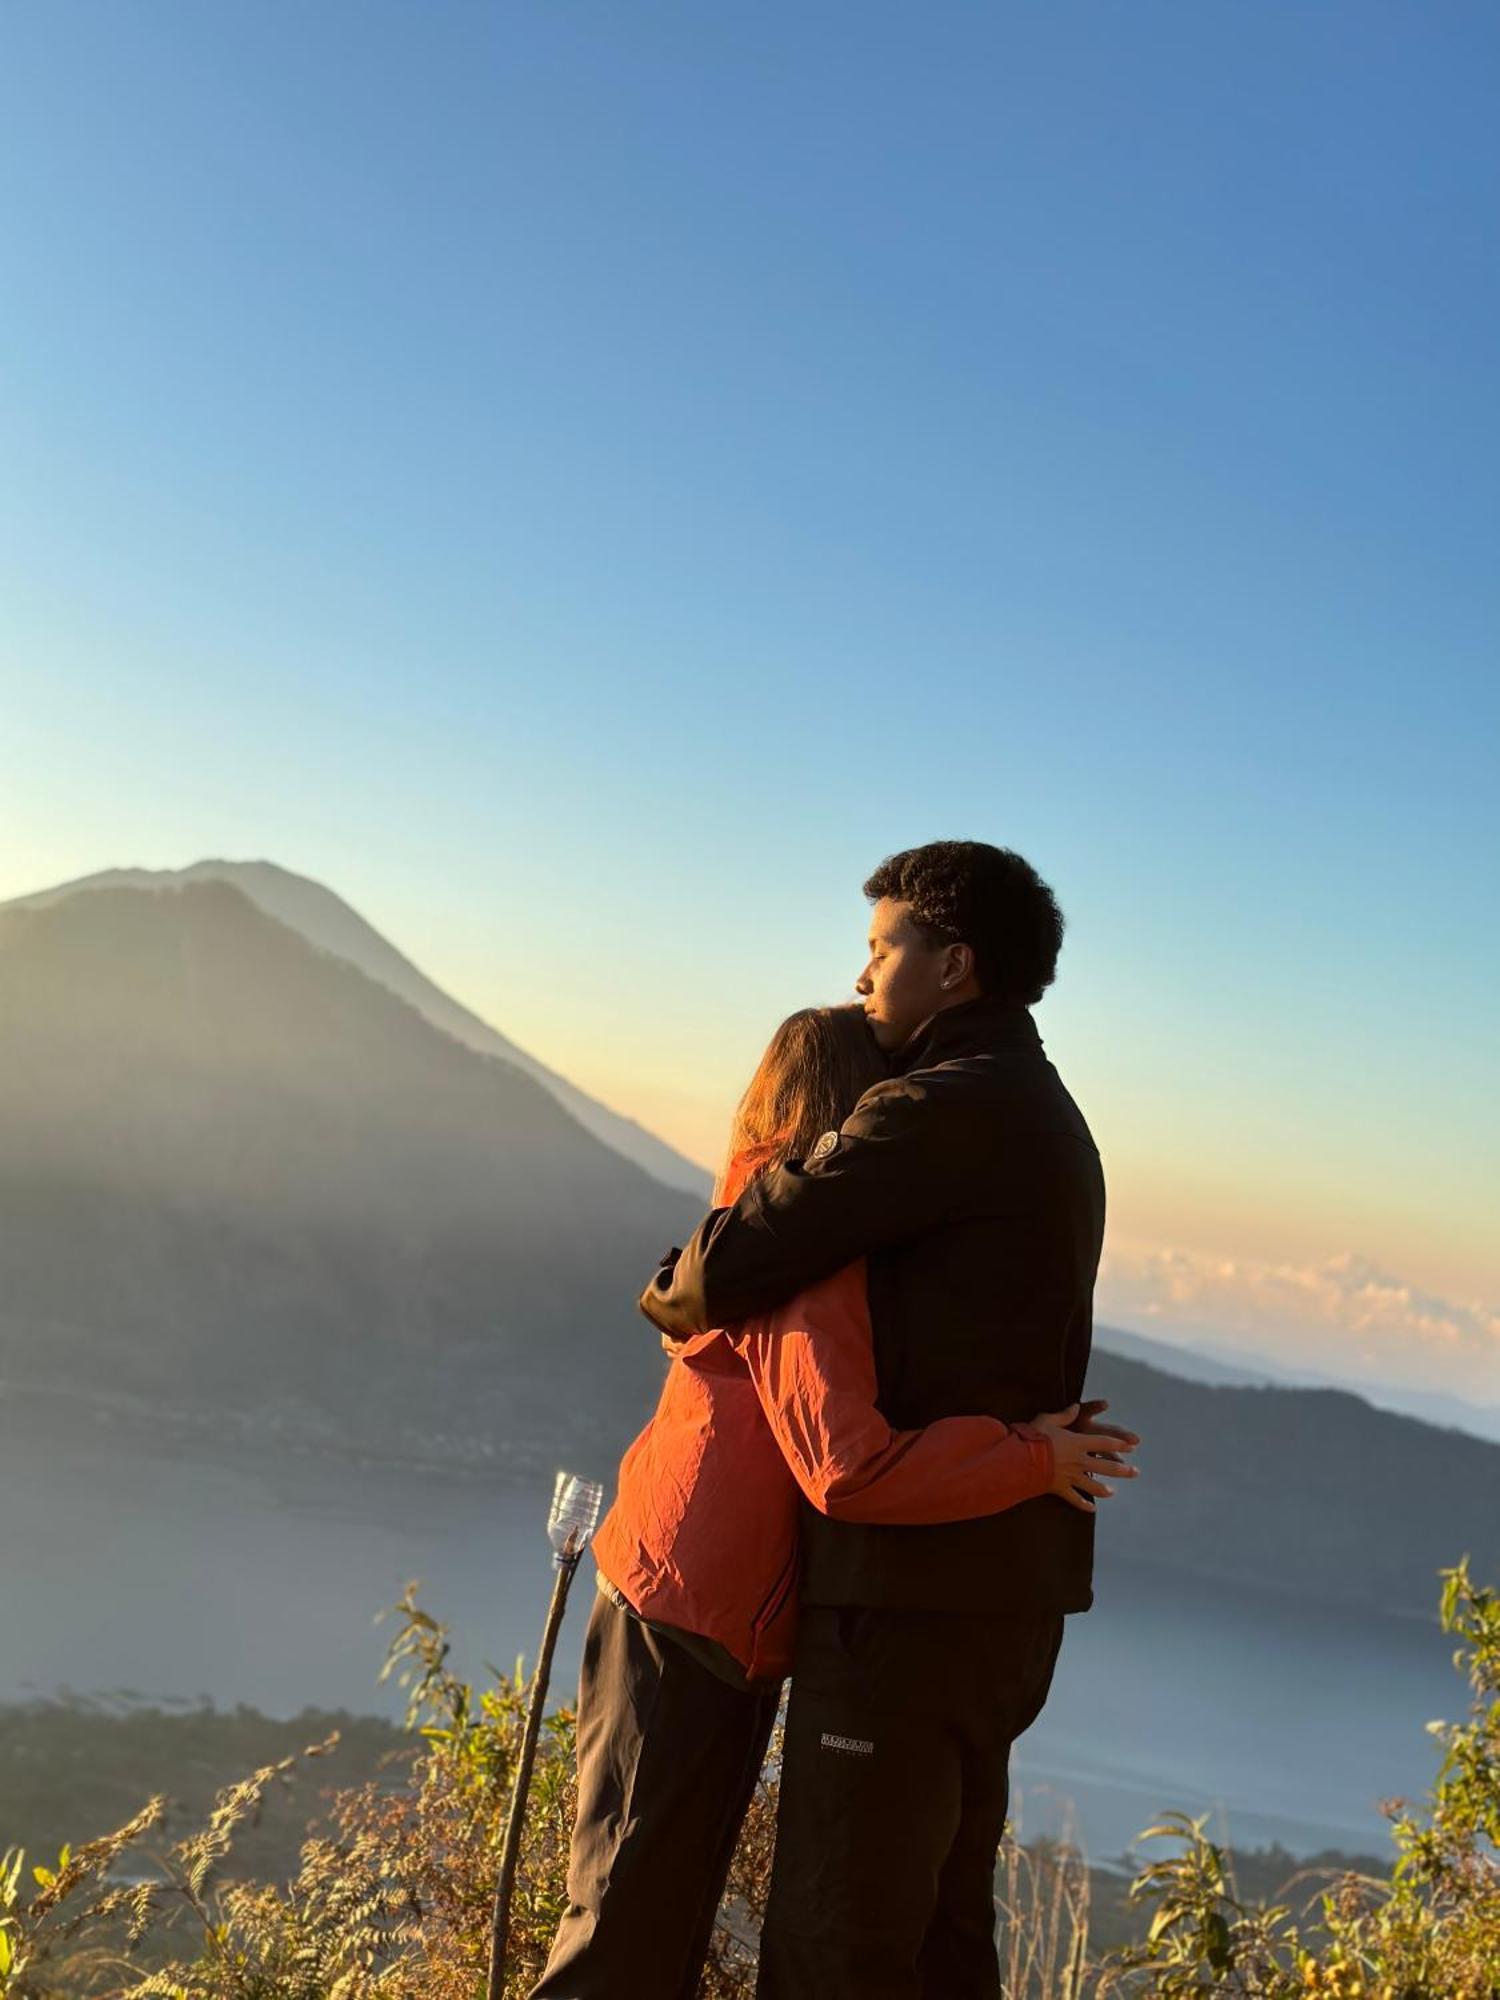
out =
column 1430, row 1932
column 391, row 1901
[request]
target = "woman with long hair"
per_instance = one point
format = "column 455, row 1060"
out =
column 693, row 1627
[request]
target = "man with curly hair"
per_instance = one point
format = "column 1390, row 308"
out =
column 970, row 1184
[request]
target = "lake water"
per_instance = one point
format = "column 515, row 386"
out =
column 260, row 1582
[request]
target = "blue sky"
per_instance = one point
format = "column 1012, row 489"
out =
column 587, row 480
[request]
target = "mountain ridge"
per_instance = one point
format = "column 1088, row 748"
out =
column 298, row 1195
column 331, row 924
column 1212, row 1362
column 245, row 1183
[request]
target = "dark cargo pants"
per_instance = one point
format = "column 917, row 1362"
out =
column 668, row 1756
column 894, row 1790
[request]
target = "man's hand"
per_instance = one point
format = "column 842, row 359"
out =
column 1078, row 1467
column 893, row 1175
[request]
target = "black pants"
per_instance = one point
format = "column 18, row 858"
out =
column 668, row 1756
column 894, row 1790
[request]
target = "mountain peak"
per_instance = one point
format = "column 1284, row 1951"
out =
column 321, row 916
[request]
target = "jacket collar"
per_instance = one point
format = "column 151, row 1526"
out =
column 972, row 1028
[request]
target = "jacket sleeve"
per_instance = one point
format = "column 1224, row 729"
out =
column 813, row 1365
column 893, row 1170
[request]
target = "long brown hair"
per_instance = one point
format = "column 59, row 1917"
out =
column 817, row 1066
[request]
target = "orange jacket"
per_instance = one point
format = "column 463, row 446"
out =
column 704, row 1530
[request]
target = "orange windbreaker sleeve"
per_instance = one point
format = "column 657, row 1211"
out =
column 813, row 1365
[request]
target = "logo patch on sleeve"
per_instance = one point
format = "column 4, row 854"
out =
column 826, row 1145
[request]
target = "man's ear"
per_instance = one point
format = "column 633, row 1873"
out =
column 959, row 964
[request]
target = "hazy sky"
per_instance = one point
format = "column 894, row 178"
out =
column 586, row 480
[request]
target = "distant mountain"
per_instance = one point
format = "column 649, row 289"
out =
column 328, row 922
column 241, row 1179
column 1173, row 1359
column 1307, row 1490
column 247, row 1189
column 1434, row 1407
column 1230, row 1365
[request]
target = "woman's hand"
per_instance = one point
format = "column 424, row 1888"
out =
column 1079, row 1467
column 1084, row 1421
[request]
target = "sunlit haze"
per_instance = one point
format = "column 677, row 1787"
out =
column 584, row 483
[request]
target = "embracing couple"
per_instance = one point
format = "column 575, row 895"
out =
column 870, row 1468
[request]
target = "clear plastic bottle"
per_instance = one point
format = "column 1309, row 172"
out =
column 575, row 1515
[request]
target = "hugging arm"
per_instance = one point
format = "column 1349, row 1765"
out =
column 813, row 1367
column 891, row 1174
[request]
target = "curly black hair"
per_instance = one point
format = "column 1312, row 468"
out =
column 965, row 892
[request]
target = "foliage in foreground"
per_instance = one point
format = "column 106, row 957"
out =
column 393, row 1901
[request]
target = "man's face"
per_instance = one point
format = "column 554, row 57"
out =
column 903, row 982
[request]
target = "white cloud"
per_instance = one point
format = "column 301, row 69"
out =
column 1341, row 1317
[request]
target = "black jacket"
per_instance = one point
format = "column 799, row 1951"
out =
column 973, row 1187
